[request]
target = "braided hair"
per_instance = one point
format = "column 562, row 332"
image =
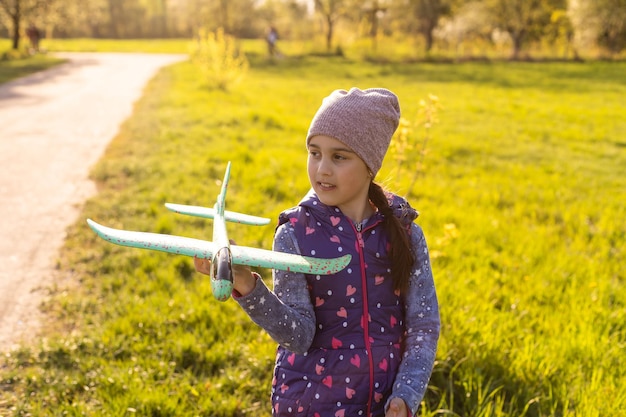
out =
column 400, row 251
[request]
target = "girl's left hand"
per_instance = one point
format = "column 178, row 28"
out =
column 397, row 408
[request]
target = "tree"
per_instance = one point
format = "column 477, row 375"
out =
column 282, row 14
column 19, row 11
column 427, row 14
column 233, row 16
column 13, row 10
column 56, row 13
column 522, row 20
column 94, row 17
column 600, row 21
column 331, row 11
column 374, row 11
column 467, row 23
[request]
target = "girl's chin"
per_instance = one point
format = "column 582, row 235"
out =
column 325, row 199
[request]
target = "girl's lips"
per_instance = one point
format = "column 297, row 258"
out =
column 325, row 186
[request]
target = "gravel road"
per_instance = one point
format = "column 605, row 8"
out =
column 54, row 125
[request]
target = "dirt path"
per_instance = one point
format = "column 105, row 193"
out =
column 54, row 125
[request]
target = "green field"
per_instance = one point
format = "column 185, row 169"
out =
column 522, row 195
column 16, row 68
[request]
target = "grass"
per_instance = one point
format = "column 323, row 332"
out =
column 15, row 68
column 521, row 199
column 116, row 45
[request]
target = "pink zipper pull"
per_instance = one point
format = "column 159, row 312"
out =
column 359, row 238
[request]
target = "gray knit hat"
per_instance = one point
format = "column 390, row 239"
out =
column 364, row 120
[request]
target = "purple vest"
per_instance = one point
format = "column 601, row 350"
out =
column 351, row 365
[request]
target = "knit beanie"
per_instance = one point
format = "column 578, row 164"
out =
column 364, row 120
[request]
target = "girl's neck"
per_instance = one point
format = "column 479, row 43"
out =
column 358, row 215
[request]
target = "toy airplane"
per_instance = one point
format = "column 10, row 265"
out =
column 221, row 253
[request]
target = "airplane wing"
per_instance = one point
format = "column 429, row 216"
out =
column 242, row 255
column 263, row 258
column 209, row 213
column 154, row 241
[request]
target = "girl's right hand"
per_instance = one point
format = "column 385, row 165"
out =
column 243, row 279
column 202, row 265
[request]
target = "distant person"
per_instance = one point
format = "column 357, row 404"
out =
column 361, row 342
column 272, row 38
column 34, row 35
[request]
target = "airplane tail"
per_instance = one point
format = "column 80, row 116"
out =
column 219, row 208
column 209, row 213
column 221, row 198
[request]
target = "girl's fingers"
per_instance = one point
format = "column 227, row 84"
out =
column 202, row 265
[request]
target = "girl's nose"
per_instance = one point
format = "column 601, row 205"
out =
column 324, row 167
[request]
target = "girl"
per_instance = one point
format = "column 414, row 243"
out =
column 361, row 342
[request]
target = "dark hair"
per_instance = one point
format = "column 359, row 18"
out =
column 400, row 251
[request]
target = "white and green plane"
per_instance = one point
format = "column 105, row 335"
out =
column 220, row 251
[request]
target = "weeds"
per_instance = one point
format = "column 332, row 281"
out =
column 221, row 62
column 406, row 149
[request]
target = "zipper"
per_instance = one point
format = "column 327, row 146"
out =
column 358, row 228
column 359, row 234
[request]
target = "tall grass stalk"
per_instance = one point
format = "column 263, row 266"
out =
column 407, row 148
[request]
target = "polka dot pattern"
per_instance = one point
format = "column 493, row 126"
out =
column 334, row 331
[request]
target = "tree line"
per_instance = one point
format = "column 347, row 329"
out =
column 520, row 23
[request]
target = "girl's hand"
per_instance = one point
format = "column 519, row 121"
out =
column 243, row 280
column 202, row 265
column 397, row 408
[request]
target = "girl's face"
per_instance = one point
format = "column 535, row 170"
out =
column 339, row 177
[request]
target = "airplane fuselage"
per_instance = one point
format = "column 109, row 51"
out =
column 221, row 263
column 222, row 274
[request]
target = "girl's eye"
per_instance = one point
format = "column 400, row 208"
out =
column 340, row 157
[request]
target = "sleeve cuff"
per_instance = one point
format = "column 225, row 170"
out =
column 236, row 295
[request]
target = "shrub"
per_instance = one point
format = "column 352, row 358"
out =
column 219, row 58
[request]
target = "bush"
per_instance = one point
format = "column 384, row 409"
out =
column 219, row 58
column 13, row 54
